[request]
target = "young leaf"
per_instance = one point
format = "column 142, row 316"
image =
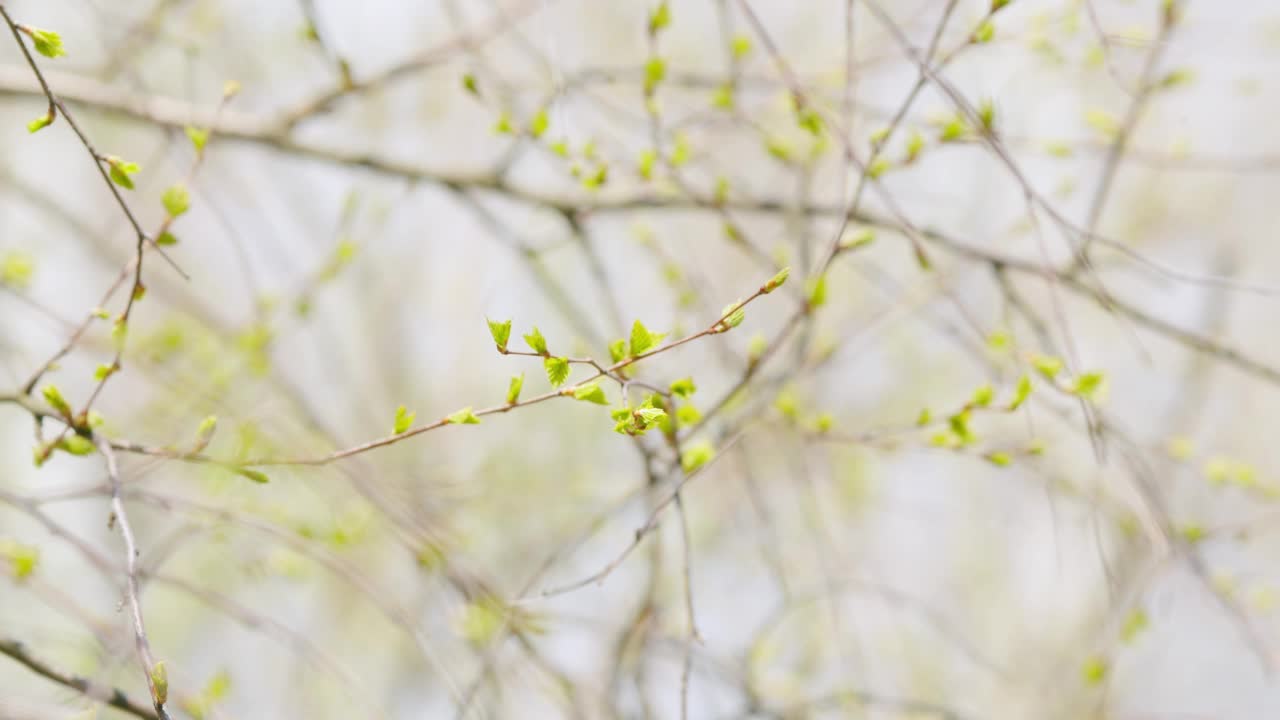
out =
column 513, row 389
column 538, row 124
column 463, row 417
column 160, row 681
column 167, row 238
column 557, row 370
column 254, row 475
column 404, row 419
column 48, row 43
column 40, row 123
column 684, row 387
column 818, row 291
column 660, row 18
column 696, row 455
column 76, row 445
column 733, row 318
column 590, row 392
column 641, row 339
column 740, row 46
column 536, row 342
column 16, row 269
column 858, row 239
column 1021, row 393
column 120, row 170
column 1047, row 365
column 982, row 396
column 53, row 396
column 776, row 281
column 176, row 200
column 618, row 349
column 501, row 332
column 103, row 371
column 198, row 137
column 654, row 72
column 1088, row 384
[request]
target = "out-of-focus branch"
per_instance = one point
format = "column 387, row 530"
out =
column 114, row 697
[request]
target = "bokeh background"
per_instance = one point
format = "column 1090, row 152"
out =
column 1103, row 552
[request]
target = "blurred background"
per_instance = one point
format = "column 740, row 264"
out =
column 1002, row 446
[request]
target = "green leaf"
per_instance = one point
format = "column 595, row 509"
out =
column 984, row 32
column 176, row 200
column 254, row 475
column 103, row 371
column 404, row 419
column 167, row 238
column 697, row 455
column 536, row 342
column 655, row 70
column 1088, row 384
column 198, row 137
column 924, row 418
column 538, row 124
column 641, row 339
column 776, row 281
column 618, row 349
column 645, row 165
column 590, row 392
column 40, row 123
column 501, row 332
column 16, row 269
column 818, row 291
column 740, row 46
column 76, row 445
column 684, row 387
column 23, row 559
column 53, row 396
column 687, row 415
column 48, row 43
column 1021, row 393
column 463, row 417
column 733, row 317
column 982, row 396
column 858, row 239
column 119, row 334
column 954, row 129
column 557, row 370
column 120, row 170
column 660, row 18
column 999, row 458
column 1133, row 625
column 1094, row 670
column 470, row 84
column 513, row 389
column 206, row 429
column 160, row 681
column 504, row 126
column 1047, row 365
column 915, row 144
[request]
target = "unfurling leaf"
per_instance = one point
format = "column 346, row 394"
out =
column 48, row 43
column 697, row 455
column 76, row 445
column 513, row 389
column 404, row 419
column 733, row 315
column 176, row 200
column 120, row 170
column 501, row 332
column 618, row 349
column 590, row 392
column 53, row 396
column 642, row 339
column 160, row 681
column 683, row 387
column 776, row 281
column 41, row 122
column 254, row 475
column 198, row 137
column 536, row 342
column 557, row 370
column 1021, row 393
column 463, row 417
